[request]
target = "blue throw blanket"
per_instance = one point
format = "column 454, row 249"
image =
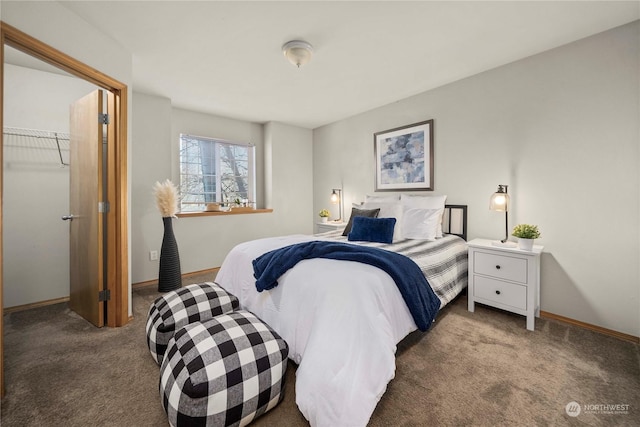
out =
column 416, row 291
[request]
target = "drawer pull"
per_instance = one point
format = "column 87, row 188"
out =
column 497, row 267
column 497, row 292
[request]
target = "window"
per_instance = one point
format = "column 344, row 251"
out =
column 215, row 171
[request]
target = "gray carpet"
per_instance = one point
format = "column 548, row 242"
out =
column 481, row 368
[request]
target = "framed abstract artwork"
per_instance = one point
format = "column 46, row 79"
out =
column 404, row 158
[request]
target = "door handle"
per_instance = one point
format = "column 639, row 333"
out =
column 67, row 218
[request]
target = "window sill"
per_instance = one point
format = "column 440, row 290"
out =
column 231, row 212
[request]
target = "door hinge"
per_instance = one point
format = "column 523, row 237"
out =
column 104, row 295
column 104, row 207
column 103, row 118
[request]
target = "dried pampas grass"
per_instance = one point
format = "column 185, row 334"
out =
column 166, row 198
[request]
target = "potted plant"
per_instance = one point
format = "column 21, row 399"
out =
column 526, row 233
column 324, row 215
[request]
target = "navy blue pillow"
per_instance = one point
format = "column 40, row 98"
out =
column 372, row 229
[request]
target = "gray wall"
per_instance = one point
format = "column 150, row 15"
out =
column 561, row 129
column 284, row 183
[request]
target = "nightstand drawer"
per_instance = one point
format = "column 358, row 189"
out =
column 501, row 292
column 500, row 266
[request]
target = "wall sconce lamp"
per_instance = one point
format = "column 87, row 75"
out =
column 499, row 202
column 336, row 197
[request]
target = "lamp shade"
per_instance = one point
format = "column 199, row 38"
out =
column 334, row 197
column 499, row 200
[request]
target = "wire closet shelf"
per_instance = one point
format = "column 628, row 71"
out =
column 35, row 147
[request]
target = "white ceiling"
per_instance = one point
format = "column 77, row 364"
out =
column 224, row 58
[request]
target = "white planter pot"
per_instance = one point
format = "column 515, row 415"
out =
column 323, row 219
column 525, row 244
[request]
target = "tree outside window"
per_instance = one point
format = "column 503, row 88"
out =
column 215, row 171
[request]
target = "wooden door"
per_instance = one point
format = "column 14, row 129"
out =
column 86, row 195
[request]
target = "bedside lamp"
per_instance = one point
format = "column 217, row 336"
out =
column 336, row 198
column 499, row 202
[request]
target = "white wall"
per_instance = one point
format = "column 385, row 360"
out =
column 150, row 162
column 289, row 178
column 55, row 25
column 561, row 129
column 36, row 188
column 203, row 242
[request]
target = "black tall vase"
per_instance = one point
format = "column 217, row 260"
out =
column 169, row 277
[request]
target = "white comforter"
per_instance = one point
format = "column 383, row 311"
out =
column 341, row 319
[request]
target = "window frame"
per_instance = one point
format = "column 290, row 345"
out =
column 219, row 193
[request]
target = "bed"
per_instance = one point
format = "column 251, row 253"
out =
column 343, row 319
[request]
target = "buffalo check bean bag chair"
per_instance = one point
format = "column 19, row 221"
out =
column 175, row 309
column 225, row 371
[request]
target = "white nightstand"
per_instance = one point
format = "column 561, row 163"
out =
column 506, row 278
column 323, row 227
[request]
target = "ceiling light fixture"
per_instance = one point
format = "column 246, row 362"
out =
column 298, row 52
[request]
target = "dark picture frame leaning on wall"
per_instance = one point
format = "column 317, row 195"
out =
column 404, row 158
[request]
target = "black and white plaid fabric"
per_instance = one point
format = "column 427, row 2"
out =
column 225, row 371
column 178, row 308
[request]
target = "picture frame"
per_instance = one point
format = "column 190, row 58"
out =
column 404, row 158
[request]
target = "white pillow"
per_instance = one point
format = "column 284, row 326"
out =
column 388, row 210
column 421, row 224
column 426, row 202
column 393, row 198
